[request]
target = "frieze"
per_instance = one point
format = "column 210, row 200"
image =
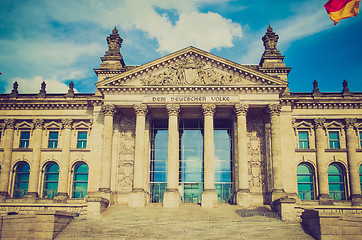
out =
column 191, row 99
column 126, row 154
column 194, row 71
column 256, row 153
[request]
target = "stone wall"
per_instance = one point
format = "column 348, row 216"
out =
column 41, row 225
column 333, row 225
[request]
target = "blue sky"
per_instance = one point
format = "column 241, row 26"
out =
column 62, row 41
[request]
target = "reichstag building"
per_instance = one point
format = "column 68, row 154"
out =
column 189, row 127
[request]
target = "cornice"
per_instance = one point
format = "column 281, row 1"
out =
column 192, row 89
column 45, row 105
column 210, row 59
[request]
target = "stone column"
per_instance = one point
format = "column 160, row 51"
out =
column 65, row 158
column 278, row 190
column 109, row 111
column 209, row 195
column 137, row 197
column 353, row 161
column 243, row 196
column 7, row 155
column 35, row 162
column 322, row 168
column 172, row 197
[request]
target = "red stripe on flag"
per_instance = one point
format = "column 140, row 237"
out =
column 335, row 5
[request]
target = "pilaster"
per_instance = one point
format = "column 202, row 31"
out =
column 172, row 197
column 35, row 162
column 209, row 195
column 7, row 155
column 353, row 161
column 324, row 198
column 65, row 158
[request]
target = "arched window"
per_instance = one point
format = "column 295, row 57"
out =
column 305, row 178
column 336, row 179
column 80, row 180
column 360, row 177
column 51, row 177
column 21, row 180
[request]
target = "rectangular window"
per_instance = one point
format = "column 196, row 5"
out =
column 82, row 139
column 303, row 139
column 53, row 139
column 24, row 139
column 333, row 139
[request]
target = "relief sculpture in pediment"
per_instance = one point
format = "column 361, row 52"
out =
column 191, row 71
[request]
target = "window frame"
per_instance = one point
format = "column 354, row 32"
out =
column 74, row 184
column 17, row 180
column 45, row 182
column 24, row 140
column 343, row 174
column 52, row 142
column 333, row 140
column 312, row 184
column 82, row 143
column 360, row 138
column 301, row 141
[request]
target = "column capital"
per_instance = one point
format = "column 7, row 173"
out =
column 109, row 110
column 140, row 109
column 319, row 122
column 9, row 123
column 208, row 109
column 173, row 109
column 67, row 123
column 241, row 109
column 350, row 122
column 274, row 109
column 38, row 123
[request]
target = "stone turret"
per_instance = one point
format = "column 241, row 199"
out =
column 271, row 62
column 112, row 62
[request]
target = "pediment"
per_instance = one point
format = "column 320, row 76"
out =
column 191, row 67
column 82, row 125
column 53, row 125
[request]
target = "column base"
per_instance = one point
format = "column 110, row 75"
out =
column 325, row 199
column 104, row 190
column 209, row 199
column 277, row 194
column 243, row 198
column 96, row 205
column 356, row 200
column 286, row 207
column 3, row 196
column 171, row 198
column 137, row 198
column 31, row 197
column 61, row 197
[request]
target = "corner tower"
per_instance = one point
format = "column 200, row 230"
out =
column 112, row 62
column 271, row 62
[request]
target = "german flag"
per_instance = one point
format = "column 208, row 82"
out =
column 340, row 9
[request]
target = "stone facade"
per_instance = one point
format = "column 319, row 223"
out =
column 102, row 142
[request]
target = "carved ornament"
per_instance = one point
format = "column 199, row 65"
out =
column 241, row 109
column 67, row 123
column 208, row 109
column 173, row 109
column 9, row 123
column 140, row 109
column 350, row 122
column 319, row 122
column 274, row 109
column 38, row 123
column 109, row 110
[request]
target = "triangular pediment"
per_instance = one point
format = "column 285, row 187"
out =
column 191, row 67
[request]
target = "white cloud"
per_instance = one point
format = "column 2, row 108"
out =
column 33, row 85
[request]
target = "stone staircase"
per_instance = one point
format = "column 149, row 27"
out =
column 187, row 222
